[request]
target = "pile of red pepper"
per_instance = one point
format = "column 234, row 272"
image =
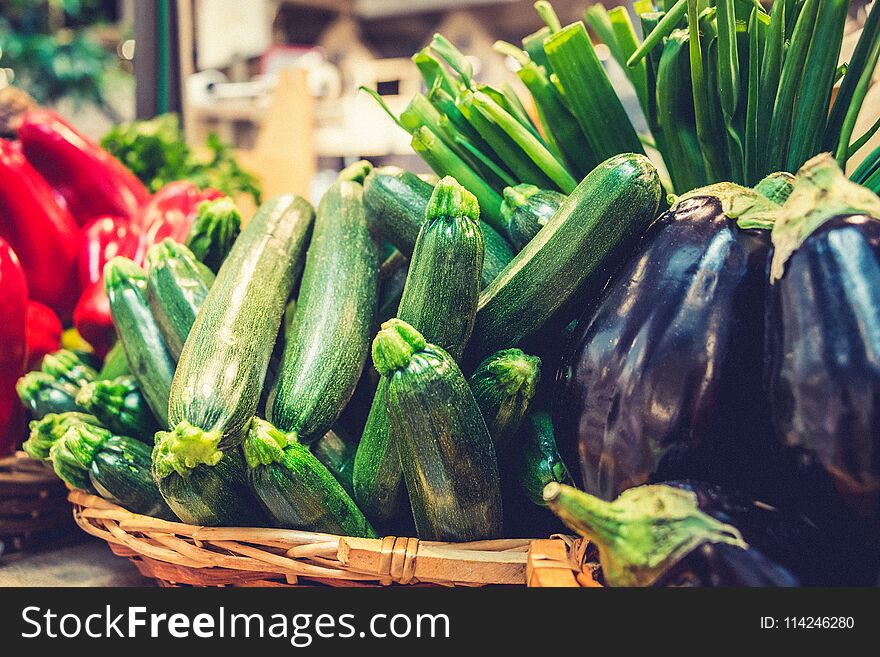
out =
column 66, row 207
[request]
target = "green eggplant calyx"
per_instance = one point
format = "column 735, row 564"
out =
column 516, row 197
column 748, row 207
column 643, row 532
column 65, row 364
column 264, row 444
column 777, row 187
column 395, row 345
column 121, row 271
column 450, row 199
column 515, row 371
column 82, row 441
column 821, row 192
column 184, row 448
column 356, row 172
column 47, row 430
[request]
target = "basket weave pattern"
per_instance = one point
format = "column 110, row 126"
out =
column 178, row 554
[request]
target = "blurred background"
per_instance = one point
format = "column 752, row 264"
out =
column 276, row 80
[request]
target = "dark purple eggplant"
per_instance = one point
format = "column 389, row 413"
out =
column 823, row 352
column 663, row 379
column 656, row 535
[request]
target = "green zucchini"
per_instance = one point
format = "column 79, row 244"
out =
column 573, row 255
column 356, row 172
column 396, row 201
column 115, row 363
column 47, row 430
column 42, row 394
column 214, row 231
column 537, row 461
column 120, row 406
column 118, row 467
column 296, row 489
column 337, row 455
column 390, row 292
column 176, row 289
column 445, row 450
column 329, row 339
column 224, row 360
column 148, row 357
column 212, row 495
column 67, row 466
column 440, row 294
column 66, row 365
column 526, row 209
column 504, row 385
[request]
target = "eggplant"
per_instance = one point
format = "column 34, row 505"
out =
column 823, row 353
column 656, row 535
column 663, row 379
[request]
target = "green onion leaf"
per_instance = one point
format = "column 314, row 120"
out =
column 668, row 23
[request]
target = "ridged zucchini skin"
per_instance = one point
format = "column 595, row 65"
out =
column 445, row 449
column 119, row 406
column 526, row 210
column 41, row 394
column 148, row 357
column 214, row 230
column 67, row 365
column 47, row 430
column 115, row 363
column 328, row 342
column 439, row 298
column 223, row 363
column 295, row 488
column 215, row 496
column 396, row 201
column 176, row 287
column 573, row 255
column 120, row 472
column 503, row 386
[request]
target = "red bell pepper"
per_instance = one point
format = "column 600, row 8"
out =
column 13, row 309
column 171, row 211
column 93, row 182
column 92, row 318
column 102, row 239
column 41, row 232
column 43, row 333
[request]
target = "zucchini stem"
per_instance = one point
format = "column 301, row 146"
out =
column 395, row 345
column 184, row 448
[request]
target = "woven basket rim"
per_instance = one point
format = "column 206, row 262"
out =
column 175, row 552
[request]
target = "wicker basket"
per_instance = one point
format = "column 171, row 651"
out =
column 176, row 554
column 33, row 506
column 562, row 562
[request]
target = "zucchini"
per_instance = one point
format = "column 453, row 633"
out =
column 66, row 464
column 145, row 349
column 396, row 201
column 115, row 363
column 440, row 294
column 329, row 339
column 118, row 467
column 445, row 450
column 573, row 256
column 214, row 231
column 67, row 365
column 296, row 489
column 119, row 406
column 42, row 394
column 212, row 495
column 224, row 360
column 337, row 455
column 176, row 289
column 356, row 172
column 47, row 430
column 537, row 460
column 526, row 209
column 504, row 385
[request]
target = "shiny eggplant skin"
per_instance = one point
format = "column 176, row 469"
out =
column 823, row 344
column 722, row 565
column 663, row 379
